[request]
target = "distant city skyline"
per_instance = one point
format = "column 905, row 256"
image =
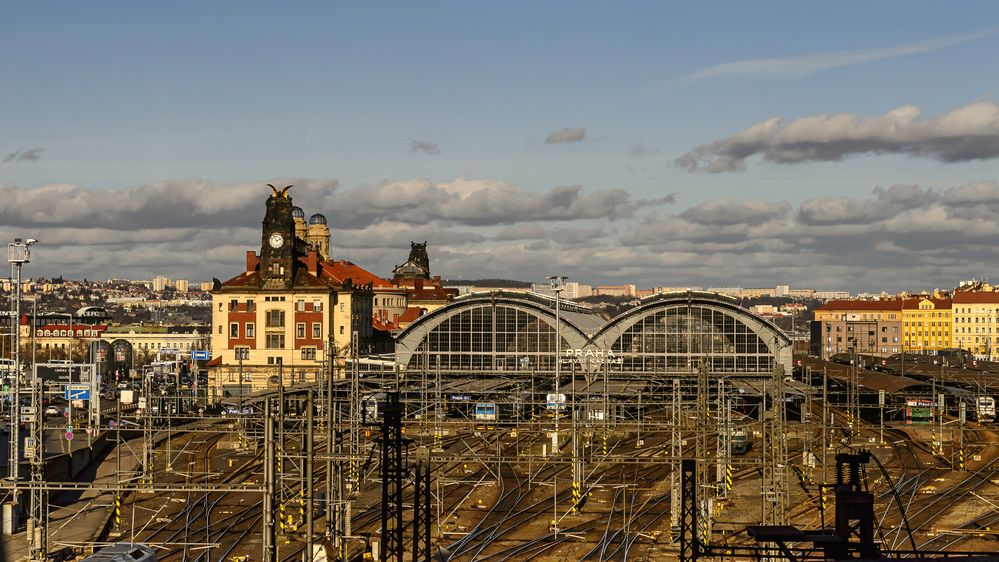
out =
column 703, row 145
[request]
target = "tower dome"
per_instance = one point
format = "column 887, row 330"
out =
column 298, row 213
column 317, row 219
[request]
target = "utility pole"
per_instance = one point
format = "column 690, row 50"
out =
column 309, row 477
column 269, row 547
column 775, row 448
column 675, row 452
column 37, row 524
column 18, row 254
column 557, row 284
column 392, row 468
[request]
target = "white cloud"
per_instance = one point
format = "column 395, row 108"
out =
column 970, row 132
column 902, row 236
column 805, row 65
column 566, row 135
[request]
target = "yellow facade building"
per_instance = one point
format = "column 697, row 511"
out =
column 293, row 310
column 976, row 323
column 926, row 324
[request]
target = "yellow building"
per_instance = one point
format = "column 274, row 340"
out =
column 926, row 324
column 292, row 310
column 976, row 322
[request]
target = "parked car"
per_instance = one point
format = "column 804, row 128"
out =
column 53, row 410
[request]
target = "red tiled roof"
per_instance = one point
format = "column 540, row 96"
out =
column 411, row 314
column 940, row 304
column 892, row 304
column 976, row 297
column 251, row 280
column 341, row 270
column 245, row 279
column 305, row 279
column 431, row 293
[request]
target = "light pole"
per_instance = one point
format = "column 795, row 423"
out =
column 18, row 254
column 557, row 284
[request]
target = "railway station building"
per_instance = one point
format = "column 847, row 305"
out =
column 665, row 335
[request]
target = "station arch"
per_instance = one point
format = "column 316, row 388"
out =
column 664, row 336
column 495, row 331
column 677, row 333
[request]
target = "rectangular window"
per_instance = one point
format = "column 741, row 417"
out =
column 341, row 307
column 300, row 305
column 317, row 330
column 317, row 306
column 220, row 329
column 275, row 318
column 341, row 330
column 275, row 341
column 270, row 360
column 232, row 304
column 249, row 330
column 300, row 330
column 309, row 353
column 233, row 330
column 242, row 353
column 249, row 305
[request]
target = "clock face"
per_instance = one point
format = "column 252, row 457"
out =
column 276, row 240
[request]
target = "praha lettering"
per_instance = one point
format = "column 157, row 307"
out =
column 591, row 356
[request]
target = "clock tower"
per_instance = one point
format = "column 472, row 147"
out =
column 277, row 246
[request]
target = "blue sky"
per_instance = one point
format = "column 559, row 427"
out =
column 121, row 95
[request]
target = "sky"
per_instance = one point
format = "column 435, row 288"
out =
column 837, row 145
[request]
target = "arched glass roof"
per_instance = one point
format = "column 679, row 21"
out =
column 495, row 331
column 665, row 335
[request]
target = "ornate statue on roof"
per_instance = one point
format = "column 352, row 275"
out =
column 418, row 264
column 283, row 194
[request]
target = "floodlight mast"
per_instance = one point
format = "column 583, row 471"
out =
column 557, row 284
column 18, row 254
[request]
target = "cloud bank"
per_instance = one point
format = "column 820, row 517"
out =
column 805, row 65
column 901, row 236
column 970, row 132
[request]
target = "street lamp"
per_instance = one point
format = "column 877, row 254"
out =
column 18, row 254
column 557, row 285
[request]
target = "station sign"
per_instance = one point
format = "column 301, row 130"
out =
column 591, row 357
column 77, row 392
column 201, row 355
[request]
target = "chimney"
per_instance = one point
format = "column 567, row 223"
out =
column 252, row 260
column 312, row 262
